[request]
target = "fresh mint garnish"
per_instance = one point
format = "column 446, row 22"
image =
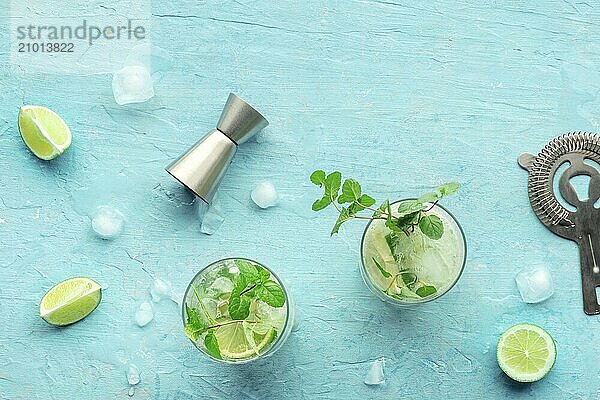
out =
column 432, row 226
column 194, row 326
column 381, row 269
column 425, row 291
column 410, row 216
column 239, row 306
column 271, row 293
column 212, row 345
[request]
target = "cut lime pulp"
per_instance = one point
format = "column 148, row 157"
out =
column 70, row 301
column 44, row 132
column 526, row 352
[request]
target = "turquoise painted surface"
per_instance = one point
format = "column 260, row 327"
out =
column 401, row 96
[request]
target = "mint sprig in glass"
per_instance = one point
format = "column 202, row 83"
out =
column 412, row 250
column 236, row 310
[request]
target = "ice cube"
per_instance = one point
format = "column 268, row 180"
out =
column 160, row 290
column 107, row 222
column 375, row 374
column 211, row 222
column 133, row 375
column 222, row 285
column 132, row 84
column 535, row 284
column 144, row 314
column 264, row 195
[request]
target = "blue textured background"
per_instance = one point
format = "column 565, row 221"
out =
column 399, row 95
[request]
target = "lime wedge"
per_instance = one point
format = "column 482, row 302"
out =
column 70, row 301
column 235, row 344
column 526, row 353
column 44, row 132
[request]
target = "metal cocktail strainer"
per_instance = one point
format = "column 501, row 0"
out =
column 582, row 225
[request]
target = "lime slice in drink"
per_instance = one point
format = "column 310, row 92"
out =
column 70, row 301
column 44, row 131
column 526, row 353
column 234, row 343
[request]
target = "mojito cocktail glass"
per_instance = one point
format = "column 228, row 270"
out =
column 412, row 268
column 237, row 310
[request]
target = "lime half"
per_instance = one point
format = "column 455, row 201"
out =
column 44, row 132
column 526, row 352
column 70, row 301
column 237, row 342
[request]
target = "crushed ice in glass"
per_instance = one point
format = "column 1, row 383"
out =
column 107, row 222
column 264, row 195
column 222, row 285
column 144, row 314
column 132, row 84
column 211, row 221
column 375, row 374
column 160, row 290
column 535, row 284
column 133, row 375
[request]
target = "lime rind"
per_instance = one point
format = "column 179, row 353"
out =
column 526, row 352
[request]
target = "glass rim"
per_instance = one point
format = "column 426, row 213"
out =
column 279, row 336
column 368, row 280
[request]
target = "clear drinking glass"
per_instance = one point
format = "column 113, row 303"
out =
column 262, row 332
column 438, row 263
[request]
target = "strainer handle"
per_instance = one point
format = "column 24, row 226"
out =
column 589, row 248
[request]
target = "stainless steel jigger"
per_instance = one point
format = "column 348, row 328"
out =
column 203, row 166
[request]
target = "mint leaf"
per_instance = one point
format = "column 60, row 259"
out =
column 408, row 278
column 263, row 274
column 344, row 216
column 409, row 207
column 355, row 208
column 405, row 222
column 333, row 181
column 247, row 270
column 271, row 293
column 430, row 197
column 449, row 188
column 350, row 191
column 318, row 177
column 381, row 269
column 194, row 326
column 366, row 200
column 382, row 209
column 321, row 203
column 425, row 291
column 212, row 345
column 239, row 307
column 432, row 226
column 390, row 239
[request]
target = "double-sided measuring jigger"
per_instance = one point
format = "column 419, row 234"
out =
column 203, row 166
